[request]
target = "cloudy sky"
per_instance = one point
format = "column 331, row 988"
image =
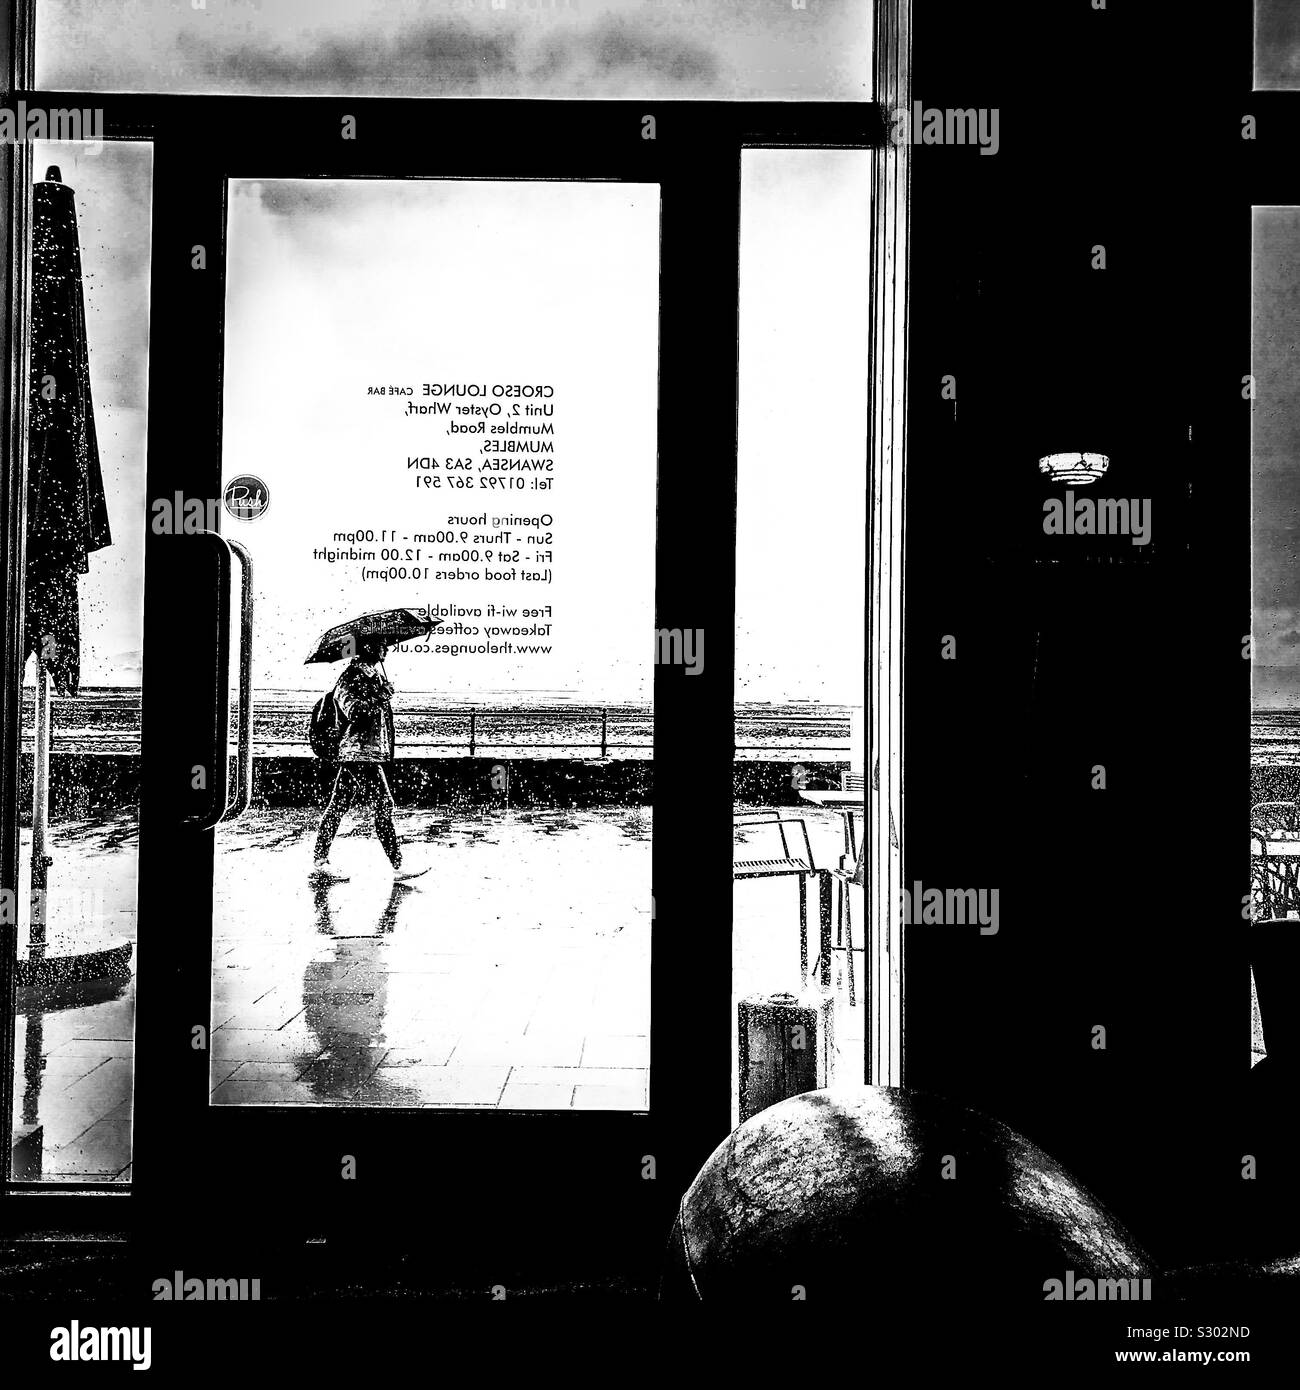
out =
column 800, row 546
column 334, row 286
column 723, row 49
column 1275, row 456
column 1277, row 45
column 801, row 515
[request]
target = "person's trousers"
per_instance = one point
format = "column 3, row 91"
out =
column 360, row 782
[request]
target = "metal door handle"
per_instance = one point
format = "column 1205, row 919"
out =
column 220, row 744
column 244, row 789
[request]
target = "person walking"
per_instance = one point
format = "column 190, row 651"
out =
column 364, row 697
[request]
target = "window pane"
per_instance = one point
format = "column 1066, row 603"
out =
column 85, row 560
column 1277, row 45
column 423, row 384
column 800, row 614
column 664, row 49
column 1275, row 636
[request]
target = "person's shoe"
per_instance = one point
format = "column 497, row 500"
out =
column 324, row 872
column 403, row 874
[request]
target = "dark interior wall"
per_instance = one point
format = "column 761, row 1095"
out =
column 1118, row 907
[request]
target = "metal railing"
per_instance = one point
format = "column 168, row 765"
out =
column 811, row 734
column 475, row 742
column 828, row 726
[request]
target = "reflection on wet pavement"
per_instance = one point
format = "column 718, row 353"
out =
column 74, row 1048
column 514, row 974
column 73, row 1077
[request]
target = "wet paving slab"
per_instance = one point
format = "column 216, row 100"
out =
column 514, row 974
column 524, row 947
column 74, row 1044
column 73, row 1080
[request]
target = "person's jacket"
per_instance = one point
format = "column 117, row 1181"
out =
column 365, row 699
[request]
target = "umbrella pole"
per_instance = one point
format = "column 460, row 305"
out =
column 40, row 804
column 33, row 1055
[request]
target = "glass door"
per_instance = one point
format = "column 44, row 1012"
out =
column 82, row 597
column 439, row 451
column 427, row 412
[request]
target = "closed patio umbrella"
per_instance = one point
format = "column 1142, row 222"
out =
column 67, row 515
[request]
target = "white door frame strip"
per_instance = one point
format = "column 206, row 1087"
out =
column 884, row 829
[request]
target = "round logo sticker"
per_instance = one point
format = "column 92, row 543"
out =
column 247, row 497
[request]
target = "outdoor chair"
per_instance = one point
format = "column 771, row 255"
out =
column 1274, row 815
column 792, row 862
column 1274, row 878
column 850, row 872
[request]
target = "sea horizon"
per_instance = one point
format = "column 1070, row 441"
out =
column 1275, row 737
column 508, row 723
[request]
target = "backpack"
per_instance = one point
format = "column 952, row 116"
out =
column 325, row 731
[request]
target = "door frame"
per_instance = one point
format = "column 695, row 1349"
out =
column 686, row 1117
